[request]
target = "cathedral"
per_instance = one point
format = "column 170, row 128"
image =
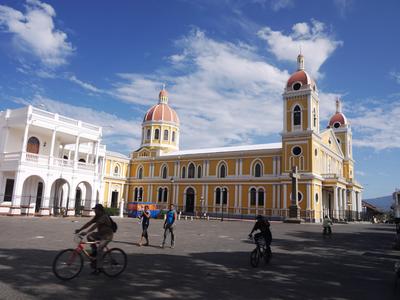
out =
column 248, row 180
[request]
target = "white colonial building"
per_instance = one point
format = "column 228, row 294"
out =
column 49, row 164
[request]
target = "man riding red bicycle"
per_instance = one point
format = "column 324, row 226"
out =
column 104, row 234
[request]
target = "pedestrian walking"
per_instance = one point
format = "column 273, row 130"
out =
column 145, row 225
column 169, row 226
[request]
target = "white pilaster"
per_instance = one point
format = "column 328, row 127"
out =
column 284, row 196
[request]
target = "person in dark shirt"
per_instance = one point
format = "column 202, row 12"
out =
column 169, row 226
column 263, row 226
column 101, row 221
column 145, row 225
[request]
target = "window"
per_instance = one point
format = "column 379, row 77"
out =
column 336, row 125
column 198, row 171
column 65, row 157
column 165, row 135
column 297, row 116
column 222, row 171
column 316, row 152
column 9, row 190
column 315, row 118
column 296, row 150
column 138, row 194
column 140, row 173
column 160, row 195
column 164, row 172
column 297, row 86
column 253, row 196
column 257, row 170
column 260, row 197
column 183, row 172
column 82, row 160
column 218, row 196
column 165, row 195
column 224, row 196
column 173, row 136
column 191, row 170
column 33, row 145
column 157, row 134
column 148, row 134
column 316, row 198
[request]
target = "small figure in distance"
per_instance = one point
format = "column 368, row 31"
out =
column 169, row 226
column 263, row 225
column 145, row 225
column 326, row 224
column 101, row 221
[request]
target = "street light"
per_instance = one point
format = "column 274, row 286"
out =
column 202, row 205
column 170, row 194
column 223, row 199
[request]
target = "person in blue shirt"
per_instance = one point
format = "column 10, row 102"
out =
column 145, row 225
column 169, row 226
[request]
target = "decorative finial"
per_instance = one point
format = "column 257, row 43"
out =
column 338, row 105
column 163, row 86
column 300, row 62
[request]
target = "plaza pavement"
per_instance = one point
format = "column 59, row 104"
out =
column 210, row 261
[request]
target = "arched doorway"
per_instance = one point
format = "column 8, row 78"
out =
column 33, row 145
column 32, row 194
column 83, row 197
column 189, row 207
column 59, row 197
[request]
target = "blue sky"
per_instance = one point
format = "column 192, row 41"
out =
column 225, row 64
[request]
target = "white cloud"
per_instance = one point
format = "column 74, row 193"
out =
column 34, row 32
column 85, row 85
column 395, row 76
column 280, row 4
column 343, row 6
column 377, row 126
column 316, row 44
column 118, row 133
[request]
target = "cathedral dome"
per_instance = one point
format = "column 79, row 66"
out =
column 161, row 112
column 300, row 78
column 338, row 119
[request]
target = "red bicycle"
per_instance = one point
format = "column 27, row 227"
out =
column 69, row 262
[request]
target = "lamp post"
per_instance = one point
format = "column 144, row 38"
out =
column 202, row 206
column 170, row 194
column 222, row 204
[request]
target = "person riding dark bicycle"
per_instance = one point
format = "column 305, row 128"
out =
column 104, row 234
column 263, row 225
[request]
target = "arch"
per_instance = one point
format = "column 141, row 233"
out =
column 166, row 135
column 191, row 170
column 140, row 172
column 183, row 174
column 296, row 115
column 162, row 194
column 261, row 197
column 32, row 194
column 138, row 196
column 190, row 199
column 33, row 145
column 85, row 195
column 157, row 134
column 159, row 194
column 148, row 134
column 164, row 172
column 222, row 169
column 199, row 175
column 59, row 197
column 217, row 196
column 82, row 160
column 253, row 196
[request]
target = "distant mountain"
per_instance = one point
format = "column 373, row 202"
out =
column 381, row 202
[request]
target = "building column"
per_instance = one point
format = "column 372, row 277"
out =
column 76, row 154
column 96, row 162
column 17, row 194
column 335, row 202
column 53, row 140
column 24, row 141
column 45, row 206
column 284, row 196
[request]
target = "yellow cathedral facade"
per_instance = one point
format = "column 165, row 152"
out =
column 244, row 181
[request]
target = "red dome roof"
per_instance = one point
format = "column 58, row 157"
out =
column 338, row 118
column 299, row 76
column 161, row 112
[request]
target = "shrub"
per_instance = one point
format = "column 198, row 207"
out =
column 111, row 211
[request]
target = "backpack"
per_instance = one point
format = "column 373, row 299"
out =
column 114, row 225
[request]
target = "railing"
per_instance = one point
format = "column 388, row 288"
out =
column 68, row 120
column 330, row 176
column 37, row 159
column 11, row 156
column 86, row 166
column 61, row 162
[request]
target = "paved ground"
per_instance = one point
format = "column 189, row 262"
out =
column 210, row 261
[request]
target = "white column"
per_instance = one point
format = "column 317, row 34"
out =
column 308, row 197
column 76, row 154
column 53, row 140
column 284, row 196
column 97, row 157
column 335, row 202
column 45, row 206
column 25, row 141
column 279, row 196
column 6, row 130
column 17, row 194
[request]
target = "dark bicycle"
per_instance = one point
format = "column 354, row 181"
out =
column 262, row 251
column 69, row 262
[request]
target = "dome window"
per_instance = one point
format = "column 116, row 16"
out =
column 336, row 125
column 157, row 134
column 297, row 86
column 165, row 135
column 296, row 150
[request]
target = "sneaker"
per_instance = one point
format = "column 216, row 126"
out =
column 162, row 246
column 172, row 246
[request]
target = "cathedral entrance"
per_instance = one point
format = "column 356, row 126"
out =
column 189, row 200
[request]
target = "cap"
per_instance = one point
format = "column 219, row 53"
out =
column 98, row 206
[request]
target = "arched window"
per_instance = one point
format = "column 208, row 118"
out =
column 140, row 173
column 157, row 134
column 33, row 145
column 138, row 194
column 183, row 172
column 253, row 196
column 315, row 118
column 82, row 160
column 164, row 172
column 191, row 170
column 198, row 171
column 260, row 197
column 165, row 195
column 160, row 194
column 65, row 157
column 148, row 134
column 218, row 196
column 165, row 135
column 297, row 115
column 257, row 170
column 222, row 171
column 173, row 136
column 224, row 195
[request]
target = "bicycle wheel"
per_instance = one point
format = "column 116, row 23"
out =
column 67, row 264
column 254, row 257
column 267, row 255
column 114, row 262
